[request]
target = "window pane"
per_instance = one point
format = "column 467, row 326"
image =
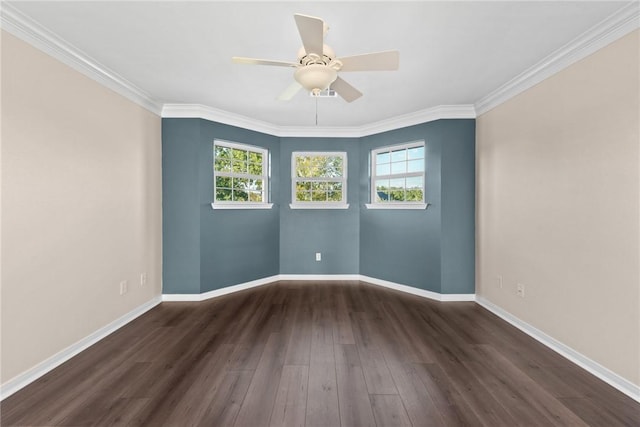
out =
column 255, row 196
column 334, row 186
column 223, row 181
column 240, row 196
column 319, row 196
column 384, row 169
column 222, row 152
column 239, row 166
column 248, row 167
column 396, row 164
column 382, row 196
column 414, row 195
column 255, row 168
column 334, row 196
column 319, row 166
column 383, row 158
column 241, row 183
column 399, row 167
column 303, row 196
column 382, row 184
column 397, row 195
column 397, row 183
column 414, row 182
column 222, row 165
column 241, row 155
column 223, row 194
column 333, row 167
column 399, row 155
column 416, row 165
column 416, row 153
column 319, row 186
column 255, row 157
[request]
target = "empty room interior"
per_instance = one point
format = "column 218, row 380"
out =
column 222, row 213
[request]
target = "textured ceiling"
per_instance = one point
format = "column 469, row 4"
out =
column 450, row 52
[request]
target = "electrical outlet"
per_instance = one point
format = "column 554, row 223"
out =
column 520, row 290
column 124, row 285
column 143, row 279
column 318, row 256
column 499, row 281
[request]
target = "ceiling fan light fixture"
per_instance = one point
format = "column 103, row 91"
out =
column 315, row 77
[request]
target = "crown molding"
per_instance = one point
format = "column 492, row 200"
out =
column 220, row 116
column 30, row 31
column 617, row 25
column 612, row 28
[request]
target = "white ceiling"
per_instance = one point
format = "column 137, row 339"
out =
column 450, row 52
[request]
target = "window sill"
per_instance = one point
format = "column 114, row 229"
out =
column 241, row 205
column 312, row 205
column 396, row 205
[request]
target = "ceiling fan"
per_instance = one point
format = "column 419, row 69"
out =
column 317, row 67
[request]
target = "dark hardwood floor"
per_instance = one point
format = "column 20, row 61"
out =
column 319, row 354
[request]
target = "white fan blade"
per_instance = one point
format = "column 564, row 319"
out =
column 290, row 91
column 379, row 61
column 345, row 90
column 311, row 31
column 254, row 61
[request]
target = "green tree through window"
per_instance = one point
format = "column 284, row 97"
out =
column 240, row 173
column 319, row 177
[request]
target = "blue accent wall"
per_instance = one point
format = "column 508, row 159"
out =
column 403, row 246
column 332, row 232
column 432, row 249
column 236, row 246
column 458, row 192
column 206, row 249
column 180, row 201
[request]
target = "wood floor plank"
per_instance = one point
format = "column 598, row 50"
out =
column 417, row 400
column 322, row 396
column 373, row 363
column 389, row 410
column 318, row 353
column 342, row 329
column 225, row 403
column 258, row 403
column 355, row 405
column 195, row 400
column 299, row 344
column 290, row 407
column 451, row 405
column 525, row 395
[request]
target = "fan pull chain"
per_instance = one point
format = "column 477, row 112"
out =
column 316, row 110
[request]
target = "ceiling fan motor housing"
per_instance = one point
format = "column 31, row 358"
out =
column 305, row 58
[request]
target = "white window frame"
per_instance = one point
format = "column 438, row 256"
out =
column 389, row 204
column 264, row 177
column 318, row 205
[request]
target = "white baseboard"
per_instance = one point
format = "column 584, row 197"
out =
column 419, row 292
column 221, row 291
column 319, row 277
column 625, row 386
column 29, row 376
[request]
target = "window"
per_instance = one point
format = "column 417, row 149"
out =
column 319, row 180
column 397, row 177
column 240, row 176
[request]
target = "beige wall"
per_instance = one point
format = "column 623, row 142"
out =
column 558, row 173
column 81, row 206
